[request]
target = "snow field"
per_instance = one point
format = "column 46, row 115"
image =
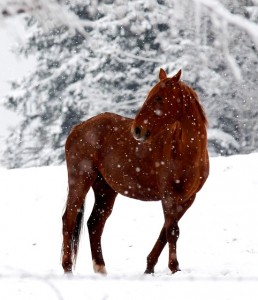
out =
column 217, row 247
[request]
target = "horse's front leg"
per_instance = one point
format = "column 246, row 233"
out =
column 170, row 209
column 161, row 242
column 152, row 258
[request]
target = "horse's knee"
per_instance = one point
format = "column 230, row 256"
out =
column 172, row 232
column 175, row 230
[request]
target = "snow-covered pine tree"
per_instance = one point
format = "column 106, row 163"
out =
column 79, row 76
column 234, row 113
column 112, row 65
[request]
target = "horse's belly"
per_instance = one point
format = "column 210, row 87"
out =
column 131, row 181
column 141, row 193
column 133, row 188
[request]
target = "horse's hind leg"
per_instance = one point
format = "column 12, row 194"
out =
column 104, row 201
column 79, row 185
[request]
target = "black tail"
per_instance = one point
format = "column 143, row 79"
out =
column 77, row 233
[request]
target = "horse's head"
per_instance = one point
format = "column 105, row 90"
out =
column 162, row 107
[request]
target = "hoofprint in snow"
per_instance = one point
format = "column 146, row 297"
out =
column 217, row 247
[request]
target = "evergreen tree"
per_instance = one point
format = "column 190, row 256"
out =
column 113, row 64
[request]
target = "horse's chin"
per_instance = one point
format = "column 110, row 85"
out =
column 140, row 139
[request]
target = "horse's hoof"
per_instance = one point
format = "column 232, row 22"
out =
column 100, row 269
column 175, row 270
column 68, row 273
column 149, row 271
column 68, row 270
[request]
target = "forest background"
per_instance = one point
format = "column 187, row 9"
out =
column 104, row 55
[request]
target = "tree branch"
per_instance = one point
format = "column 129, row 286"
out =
column 220, row 11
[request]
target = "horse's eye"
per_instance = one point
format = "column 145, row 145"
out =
column 158, row 98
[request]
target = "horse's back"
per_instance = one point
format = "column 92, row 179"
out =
column 87, row 139
column 93, row 130
column 100, row 120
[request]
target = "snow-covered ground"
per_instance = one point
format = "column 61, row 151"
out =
column 217, row 248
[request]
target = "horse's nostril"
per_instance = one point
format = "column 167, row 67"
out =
column 137, row 131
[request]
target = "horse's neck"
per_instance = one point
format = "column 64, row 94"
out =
column 185, row 136
column 193, row 127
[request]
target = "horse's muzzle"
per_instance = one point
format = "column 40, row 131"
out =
column 140, row 134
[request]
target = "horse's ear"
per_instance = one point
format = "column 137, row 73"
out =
column 176, row 77
column 162, row 74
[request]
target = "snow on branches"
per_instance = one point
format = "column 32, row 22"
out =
column 101, row 55
column 223, row 18
column 49, row 13
column 57, row 12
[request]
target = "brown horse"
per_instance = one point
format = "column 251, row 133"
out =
column 160, row 155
